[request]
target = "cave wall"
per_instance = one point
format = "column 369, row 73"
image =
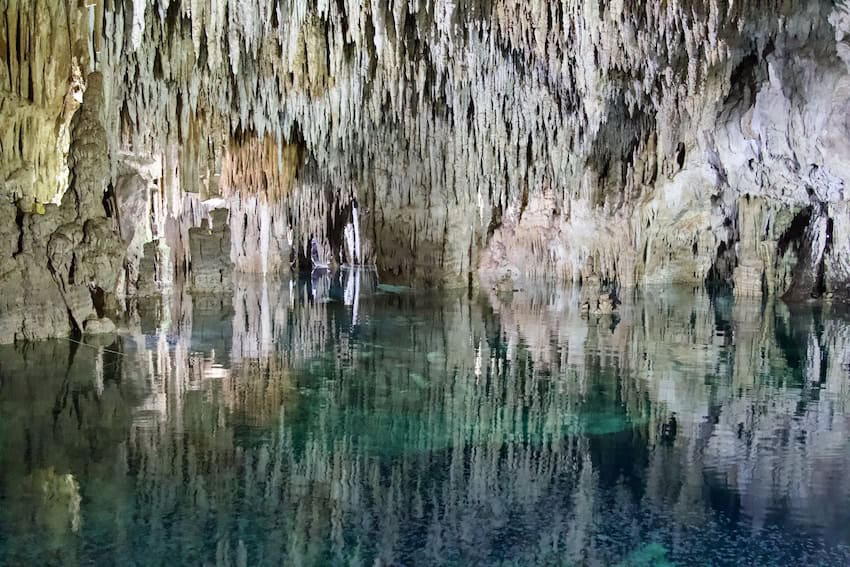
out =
column 659, row 142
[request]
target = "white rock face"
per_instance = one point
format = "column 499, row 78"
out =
column 666, row 142
column 100, row 326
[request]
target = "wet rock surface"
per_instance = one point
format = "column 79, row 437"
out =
column 101, row 326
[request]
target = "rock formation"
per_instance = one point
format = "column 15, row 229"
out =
column 672, row 142
column 62, row 270
column 211, row 269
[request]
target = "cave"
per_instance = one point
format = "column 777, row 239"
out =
column 424, row 282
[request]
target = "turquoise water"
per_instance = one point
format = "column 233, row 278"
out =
column 328, row 423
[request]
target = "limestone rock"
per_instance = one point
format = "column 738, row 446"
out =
column 211, row 267
column 100, row 326
column 505, row 284
column 66, row 259
column 133, row 205
column 475, row 137
column 149, row 268
column 89, row 159
column 605, row 305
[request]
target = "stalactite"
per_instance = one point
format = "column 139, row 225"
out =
column 434, row 117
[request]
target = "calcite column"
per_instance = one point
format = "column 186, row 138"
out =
column 749, row 274
column 133, row 202
column 626, row 267
column 85, row 254
column 593, row 299
column 211, row 267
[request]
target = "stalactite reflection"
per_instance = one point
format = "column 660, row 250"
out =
column 343, row 423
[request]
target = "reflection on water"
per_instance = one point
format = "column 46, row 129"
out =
column 332, row 422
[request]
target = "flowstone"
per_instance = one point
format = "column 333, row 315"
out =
column 68, row 259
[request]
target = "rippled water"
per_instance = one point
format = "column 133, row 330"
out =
column 330, row 422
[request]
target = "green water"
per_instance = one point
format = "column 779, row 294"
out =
column 286, row 427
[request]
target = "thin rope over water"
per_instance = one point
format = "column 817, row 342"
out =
column 70, row 340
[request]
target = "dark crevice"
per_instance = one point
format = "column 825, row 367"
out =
column 98, row 298
column 19, row 220
column 829, row 229
column 76, row 331
column 72, row 271
column 244, row 229
column 794, row 234
column 30, row 86
column 158, row 72
column 174, row 19
column 110, row 204
column 721, row 270
column 743, row 81
column 820, row 277
column 495, row 221
column 523, row 200
column 819, row 287
column 808, row 278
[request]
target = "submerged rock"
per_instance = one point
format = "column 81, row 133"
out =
column 505, row 284
column 100, row 326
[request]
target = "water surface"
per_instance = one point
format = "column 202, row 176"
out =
column 330, row 422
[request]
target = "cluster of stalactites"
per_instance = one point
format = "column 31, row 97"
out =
column 429, row 109
column 261, row 167
column 42, row 71
column 437, row 102
column 337, row 69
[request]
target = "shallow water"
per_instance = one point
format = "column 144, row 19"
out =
column 328, row 423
